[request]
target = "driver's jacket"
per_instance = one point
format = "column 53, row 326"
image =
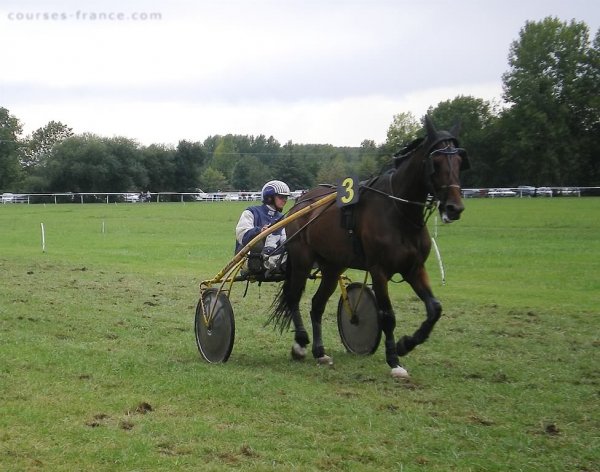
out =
column 251, row 222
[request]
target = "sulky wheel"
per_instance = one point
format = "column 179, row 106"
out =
column 215, row 332
column 359, row 329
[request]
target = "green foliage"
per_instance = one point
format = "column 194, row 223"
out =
column 10, row 129
column 225, row 156
column 333, row 171
column 553, row 88
column 189, row 158
column 100, row 370
column 37, row 148
column 404, row 128
column 88, row 163
column 292, row 170
column 160, row 164
column 476, row 118
column 212, row 180
column 368, row 165
column 248, row 174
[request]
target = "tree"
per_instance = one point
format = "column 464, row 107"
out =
column 10, row 130
column 127, row 172
column 37, row 147
column 188, row 159
column 159, row 161
column 590, row 117
column 367, row 166
column 476, row 118
column 553, row 88
column 225, row 156
column 89, row 163
column 248, row 174
column 212, row 180
column 404, row 128
column 292, row 168
column 332, row 172
column 266, row 149
column 296, row 173
column 78, row 164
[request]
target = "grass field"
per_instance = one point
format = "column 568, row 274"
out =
column 99, row 370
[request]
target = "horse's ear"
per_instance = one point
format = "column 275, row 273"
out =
column 455, row 130
column 429, row 127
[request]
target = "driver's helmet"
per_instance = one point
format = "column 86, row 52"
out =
column 272, row 188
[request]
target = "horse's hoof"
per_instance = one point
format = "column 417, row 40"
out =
column 399, row 372
column 324, row 360
column 298, row 352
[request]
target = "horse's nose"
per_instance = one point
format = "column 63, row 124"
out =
column 453, row 210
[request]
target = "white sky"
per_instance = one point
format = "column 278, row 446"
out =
column 310, row 71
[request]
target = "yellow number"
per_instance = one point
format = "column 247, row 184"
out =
column 348, row 185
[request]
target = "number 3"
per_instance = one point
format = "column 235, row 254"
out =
column 348, row 185
column 347, row 191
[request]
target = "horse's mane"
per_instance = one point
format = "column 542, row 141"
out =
column 405, row 152
column 410, row 147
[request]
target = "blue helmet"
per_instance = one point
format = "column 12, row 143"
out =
column 274, row 187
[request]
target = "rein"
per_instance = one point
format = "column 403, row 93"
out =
column 429, row 206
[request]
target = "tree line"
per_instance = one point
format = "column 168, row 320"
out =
column 544, row 133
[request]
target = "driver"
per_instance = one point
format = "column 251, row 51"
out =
column 256, row 219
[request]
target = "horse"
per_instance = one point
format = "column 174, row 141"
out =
column 388, row 236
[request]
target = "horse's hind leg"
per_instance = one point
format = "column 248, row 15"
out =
column 421, row 286
column 297, row 284
column 301, row 338
column 326, row 288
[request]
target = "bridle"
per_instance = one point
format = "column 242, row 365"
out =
column 449, row 151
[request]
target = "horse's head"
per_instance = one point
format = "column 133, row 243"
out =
column 444, row 160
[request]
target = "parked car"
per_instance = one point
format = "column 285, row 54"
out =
column 8, row 197
column 500, row 192
column 543, row 192
column 526, row 191
column 471, row 192
column 132, row 197
column 202, row 197
column 569, row 191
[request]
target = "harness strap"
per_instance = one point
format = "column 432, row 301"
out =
column 397, row 199
column 348, row 222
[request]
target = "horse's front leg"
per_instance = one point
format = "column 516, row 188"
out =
column 421, row 286
column 326, row 288
column 388, row 324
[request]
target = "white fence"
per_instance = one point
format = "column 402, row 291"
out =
column 130, row 197
column 527, row 191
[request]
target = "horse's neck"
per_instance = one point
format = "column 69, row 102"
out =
column 408, row 181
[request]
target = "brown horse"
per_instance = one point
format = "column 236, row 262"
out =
column 388, row 235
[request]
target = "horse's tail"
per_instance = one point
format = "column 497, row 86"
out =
column 282, row 310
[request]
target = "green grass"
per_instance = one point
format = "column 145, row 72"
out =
column 99, row 368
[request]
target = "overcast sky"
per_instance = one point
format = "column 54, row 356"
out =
column 310, row 71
